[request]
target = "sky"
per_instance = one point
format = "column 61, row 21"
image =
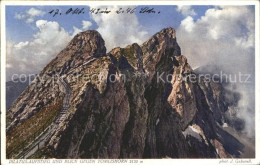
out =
column 25, row 18
column 207, row 35
column 34, row 36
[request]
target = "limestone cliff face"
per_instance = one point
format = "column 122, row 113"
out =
column 140, row 101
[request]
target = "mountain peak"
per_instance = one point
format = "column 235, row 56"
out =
column 90, row 42
column 160, row 48
column 169, row 32
column 165, row 39
column 88, row 33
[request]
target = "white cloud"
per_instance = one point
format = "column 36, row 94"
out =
column 223, row 37
column 86, row 25
column 228, row 32
column 30, row 57
column 35, row 12
column 185, row 10
column 76, row 31
column 21, row 44
column 188, row 24
column 41, row 23
column 119, row 29
column 29, row 15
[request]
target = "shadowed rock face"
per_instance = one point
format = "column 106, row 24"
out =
column 127, row 112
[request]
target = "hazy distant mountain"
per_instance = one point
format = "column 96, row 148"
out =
column 14, row 89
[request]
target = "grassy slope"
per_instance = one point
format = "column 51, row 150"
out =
column 26, row 132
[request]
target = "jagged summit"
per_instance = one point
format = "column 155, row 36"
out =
column 170, row 32
column 166, row 37
column 160, row 49
column 87, row 43
column 82, row 48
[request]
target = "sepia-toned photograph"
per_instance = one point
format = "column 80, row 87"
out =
column 129, row 83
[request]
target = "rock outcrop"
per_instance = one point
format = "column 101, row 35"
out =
column 141, row 101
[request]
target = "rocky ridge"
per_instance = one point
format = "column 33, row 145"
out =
column 120, row 109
